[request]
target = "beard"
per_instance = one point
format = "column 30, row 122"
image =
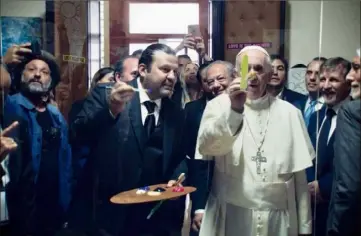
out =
column 34, row 86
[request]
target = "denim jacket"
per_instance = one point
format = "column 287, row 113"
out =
column 21, row 106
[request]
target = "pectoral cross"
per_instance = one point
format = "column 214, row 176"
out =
column 259, row 159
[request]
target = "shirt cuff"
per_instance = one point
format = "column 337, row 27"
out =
column 199, row 211
column 234, row 121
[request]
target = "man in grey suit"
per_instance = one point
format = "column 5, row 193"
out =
column 345, row 207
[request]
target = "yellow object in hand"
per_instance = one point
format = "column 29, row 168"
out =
column 244, row 72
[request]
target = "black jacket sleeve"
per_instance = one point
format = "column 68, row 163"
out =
column 344, row 215
column 94, row 117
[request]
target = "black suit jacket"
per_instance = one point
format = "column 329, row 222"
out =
column 297, row 99
column 117, row 153
column 345, row 208
column 324, row 171
column 200, row 172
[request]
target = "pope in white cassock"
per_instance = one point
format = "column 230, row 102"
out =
column 261, row 148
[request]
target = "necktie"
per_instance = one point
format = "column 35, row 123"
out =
column 309, row 111
column 149, row 123
column 324, row 133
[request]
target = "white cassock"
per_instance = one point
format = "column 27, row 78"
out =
column 242, row 202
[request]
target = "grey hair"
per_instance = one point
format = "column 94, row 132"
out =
column 46, row 87
column 229, row 67
column 238, row 60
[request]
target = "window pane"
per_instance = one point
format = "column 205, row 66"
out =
column 173, row 43
column 162, row 18
column 135, row 46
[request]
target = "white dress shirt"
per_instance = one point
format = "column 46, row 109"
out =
column 318, row 106
column 336, row 108
column 280, row 94
column 143, row 97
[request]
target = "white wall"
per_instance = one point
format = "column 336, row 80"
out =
column 340, row 35
column 22, row 8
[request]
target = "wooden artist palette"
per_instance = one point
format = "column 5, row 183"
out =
column 131, row 196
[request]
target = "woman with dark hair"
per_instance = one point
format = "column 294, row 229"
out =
column 104, row 75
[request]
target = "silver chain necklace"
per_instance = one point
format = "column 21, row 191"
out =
column 259, row 158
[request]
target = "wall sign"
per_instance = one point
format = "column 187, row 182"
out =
column 73, row 58
column 231, row 46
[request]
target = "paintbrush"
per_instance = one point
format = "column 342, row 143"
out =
column 181, row 178
column 134, row 89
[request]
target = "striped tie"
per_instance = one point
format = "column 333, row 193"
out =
column 309, row 111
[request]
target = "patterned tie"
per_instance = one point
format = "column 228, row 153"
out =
column 324, row 133
column 149, row 123
column 309, row 111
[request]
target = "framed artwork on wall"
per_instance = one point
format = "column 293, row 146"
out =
column 16, row 30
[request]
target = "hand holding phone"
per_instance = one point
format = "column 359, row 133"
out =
column 194, row 30
column 16, row 53
column 189, row 42
column 35, row 48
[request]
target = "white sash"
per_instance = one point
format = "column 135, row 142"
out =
column 256, row 195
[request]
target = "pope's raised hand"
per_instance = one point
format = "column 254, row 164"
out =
column 237, row 95
column 120, row 94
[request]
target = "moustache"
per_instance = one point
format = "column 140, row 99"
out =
column 33, row 80
column 327, row 91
